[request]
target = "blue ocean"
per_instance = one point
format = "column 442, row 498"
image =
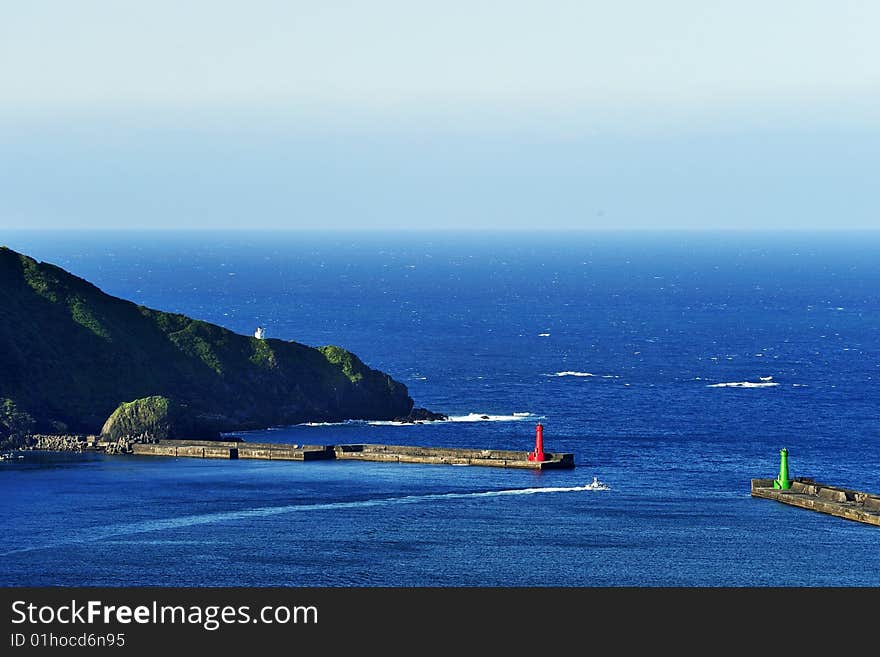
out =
column 674, row 366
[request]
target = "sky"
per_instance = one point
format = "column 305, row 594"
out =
column 388, row 114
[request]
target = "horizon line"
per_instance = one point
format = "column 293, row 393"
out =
column 264, row 230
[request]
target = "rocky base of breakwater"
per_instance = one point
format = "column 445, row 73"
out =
column 82, row 443
column 60, row 443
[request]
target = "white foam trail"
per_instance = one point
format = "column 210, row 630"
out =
column 744, row 384
column 162, row 524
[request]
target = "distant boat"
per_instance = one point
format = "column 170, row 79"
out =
column 596, row 485
column 766, row 378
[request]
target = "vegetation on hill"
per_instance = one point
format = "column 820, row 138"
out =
column 71, row 354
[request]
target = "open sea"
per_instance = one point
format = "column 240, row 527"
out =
column 674, row 366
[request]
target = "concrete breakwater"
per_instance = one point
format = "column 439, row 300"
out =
column 211, row 449
column 452, row 456
column 358, row 452
column 808, row 494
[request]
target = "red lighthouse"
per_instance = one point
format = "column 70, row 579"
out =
column 538, row 454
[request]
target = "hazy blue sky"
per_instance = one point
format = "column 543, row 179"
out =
column 477, row 114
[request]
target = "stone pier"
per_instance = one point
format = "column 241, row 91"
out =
column 833, row 500
column 360, row 452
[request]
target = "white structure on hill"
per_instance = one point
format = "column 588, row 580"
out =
column 260, row 333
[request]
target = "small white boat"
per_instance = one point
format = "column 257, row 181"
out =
column 766, row 378
column 597, row 485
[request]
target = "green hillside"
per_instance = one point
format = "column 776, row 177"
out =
column 71, row 354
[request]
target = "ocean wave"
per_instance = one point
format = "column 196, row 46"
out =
column 482, row 417
column 388, row 423
column 582, row 375
column 744, row 384
column 343, row 423
column 376, row 423
column 470, row 417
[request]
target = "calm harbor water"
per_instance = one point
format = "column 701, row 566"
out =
column 625, row 348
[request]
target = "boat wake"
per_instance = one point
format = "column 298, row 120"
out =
column 94, row 535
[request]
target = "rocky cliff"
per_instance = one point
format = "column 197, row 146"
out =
column 70, row 355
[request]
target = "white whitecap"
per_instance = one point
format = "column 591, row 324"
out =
column 320, row 424
column 570, row 373
column 485, row 417
column 470, row 417
column 744, row 384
